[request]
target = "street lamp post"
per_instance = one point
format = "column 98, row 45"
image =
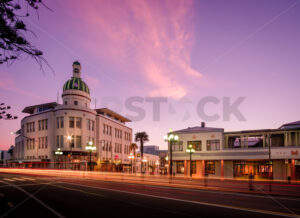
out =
column 270, row 183
column 171, row 138
column 69, row 138
column 90, row 148
column 190, row 150
column 58, row 153
column 131, row 157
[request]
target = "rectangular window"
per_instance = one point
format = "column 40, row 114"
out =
column 33, row 126
column 46, row 124
column 46, row 142
column 78, row 141
column 93, row 125
column 71, row 122
column 57, row 122
column 78, row 122
column 197, row 145
column 62, row 122
column 178, row 146
column 40, row 125
column 103, row 128
column 43, row 124
column 57, row 141
column 33, row 143
column 210, row 167
column 72, row 141
column 43, row 142
column 213, row 145
column 234, row 142
column 88, row 124
column 61, row 141
column 39, row 142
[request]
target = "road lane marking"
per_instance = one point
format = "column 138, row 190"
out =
column 18, row 179
column 26, row 178
column 7, row 179
column 33, row 197
column 72, row 189
column 195, row 202
column 252, row 195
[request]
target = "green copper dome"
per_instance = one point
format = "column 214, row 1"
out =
column 76, row 84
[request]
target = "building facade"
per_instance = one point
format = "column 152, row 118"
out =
column 267, row 153
column 68, row 128
column 149, row 164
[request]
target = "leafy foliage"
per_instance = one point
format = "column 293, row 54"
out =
column 12, row 31
column 141, row 137
column 4, row 114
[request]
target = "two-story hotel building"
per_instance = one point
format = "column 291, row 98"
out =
column 220, row 154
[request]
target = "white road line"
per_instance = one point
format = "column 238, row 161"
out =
column 7, row 179
column 26, row 178
column 18, row 179
column 33, row 197
column 194, row 202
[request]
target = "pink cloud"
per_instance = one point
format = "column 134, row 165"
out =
column 8, row 83
column 152, row 38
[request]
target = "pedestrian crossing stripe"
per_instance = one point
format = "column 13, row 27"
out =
column 10, row 180
column 18, row 179
column 29, row 178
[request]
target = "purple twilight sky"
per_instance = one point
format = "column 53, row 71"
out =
column 183, row 50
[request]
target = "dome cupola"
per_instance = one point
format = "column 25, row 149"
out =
column 75, row 91
column 76, row 83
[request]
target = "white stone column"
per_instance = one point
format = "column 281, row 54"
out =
column 285, row 139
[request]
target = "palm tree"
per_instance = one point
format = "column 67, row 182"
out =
column 141, row 137
column 133, row 147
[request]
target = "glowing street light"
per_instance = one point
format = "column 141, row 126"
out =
column 171, row 138
column 90, row 147
column 190, row 150
column 131, row 157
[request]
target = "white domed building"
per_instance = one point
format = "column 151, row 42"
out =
column 58, row 135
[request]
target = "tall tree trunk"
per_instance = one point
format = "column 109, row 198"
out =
column 142, row 155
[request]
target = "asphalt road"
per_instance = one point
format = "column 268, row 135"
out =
column 42, row 196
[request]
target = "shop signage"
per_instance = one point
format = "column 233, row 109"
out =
column 285, row 153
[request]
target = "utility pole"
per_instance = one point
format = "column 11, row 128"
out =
column 270, row 183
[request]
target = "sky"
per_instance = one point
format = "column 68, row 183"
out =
column 178, row 52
